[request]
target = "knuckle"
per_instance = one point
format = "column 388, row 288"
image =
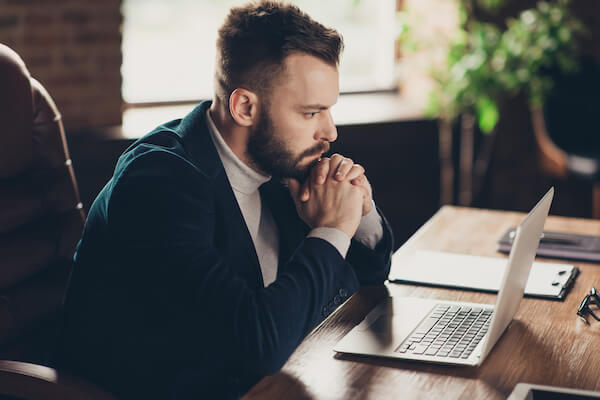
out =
column 358, row 171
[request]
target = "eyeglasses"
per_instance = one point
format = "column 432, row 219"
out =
column 584, row 308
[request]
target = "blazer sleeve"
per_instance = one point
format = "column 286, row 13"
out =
column 164, row 220
column 372, row 266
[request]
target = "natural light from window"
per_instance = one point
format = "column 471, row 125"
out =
column 169, row 46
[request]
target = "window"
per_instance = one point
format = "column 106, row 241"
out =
column 169, row 47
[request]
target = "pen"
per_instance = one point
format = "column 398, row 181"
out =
column 552, row 238
column 558, row 239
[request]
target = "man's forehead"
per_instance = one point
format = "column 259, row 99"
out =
column 309, row 81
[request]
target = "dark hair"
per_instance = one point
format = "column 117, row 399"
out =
column 256, row 38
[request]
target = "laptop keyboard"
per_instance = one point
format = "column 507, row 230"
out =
column 448, row 331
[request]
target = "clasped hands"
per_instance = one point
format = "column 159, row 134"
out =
column 336, row 194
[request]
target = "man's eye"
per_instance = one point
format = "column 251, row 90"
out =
column 311, row 114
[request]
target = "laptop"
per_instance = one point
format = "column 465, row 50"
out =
column 449, row 332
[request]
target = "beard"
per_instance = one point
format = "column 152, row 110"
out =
column 271, row 154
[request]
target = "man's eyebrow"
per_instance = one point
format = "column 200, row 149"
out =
column 314, row 107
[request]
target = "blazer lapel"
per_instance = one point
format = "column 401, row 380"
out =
column 232, row 236
column 292, row 230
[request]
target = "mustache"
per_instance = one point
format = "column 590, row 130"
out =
column 322, row 147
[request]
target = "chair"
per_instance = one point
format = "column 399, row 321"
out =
column 567, row 130
column 41, row 220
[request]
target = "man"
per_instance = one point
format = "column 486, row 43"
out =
column 199, row 272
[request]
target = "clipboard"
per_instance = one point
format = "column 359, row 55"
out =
column 468, row 272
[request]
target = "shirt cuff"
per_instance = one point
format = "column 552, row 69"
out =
column 370, row 230
column 335, row 237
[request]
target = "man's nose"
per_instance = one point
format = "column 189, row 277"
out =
column 327, row 130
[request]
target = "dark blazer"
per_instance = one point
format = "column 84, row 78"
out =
column 166, row 299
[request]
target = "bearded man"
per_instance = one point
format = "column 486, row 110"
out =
column 224, row 237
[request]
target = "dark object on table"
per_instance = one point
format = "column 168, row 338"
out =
column 560, row 245
column 526, row 391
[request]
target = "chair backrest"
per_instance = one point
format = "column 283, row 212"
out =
column 571, row 109
column 41, row 217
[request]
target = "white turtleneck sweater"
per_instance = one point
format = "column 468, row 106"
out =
column 245, row 183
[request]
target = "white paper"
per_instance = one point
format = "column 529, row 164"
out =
column 476, row 272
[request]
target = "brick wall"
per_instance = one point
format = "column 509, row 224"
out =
column 73, row 47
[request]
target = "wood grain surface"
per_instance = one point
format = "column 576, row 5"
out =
column 545, row 344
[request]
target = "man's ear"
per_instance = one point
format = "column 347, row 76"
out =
column 243, row 107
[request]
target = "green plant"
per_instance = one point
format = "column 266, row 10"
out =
column 485, row 65
column 541, row 39
column 467, row 83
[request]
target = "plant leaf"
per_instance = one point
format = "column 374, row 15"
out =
column 487, row 114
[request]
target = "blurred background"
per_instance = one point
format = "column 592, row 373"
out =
column 482, row 103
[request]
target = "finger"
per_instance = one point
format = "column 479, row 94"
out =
column 318, row 175
column 364, row 191
column 355, row 172
column 359, row 191
column 320, row 171
column 336, row 159
column 359, row 180
column 362, row 181
column 305, row 191
column 343, row 168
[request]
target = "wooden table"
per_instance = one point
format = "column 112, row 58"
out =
column 545, row 344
